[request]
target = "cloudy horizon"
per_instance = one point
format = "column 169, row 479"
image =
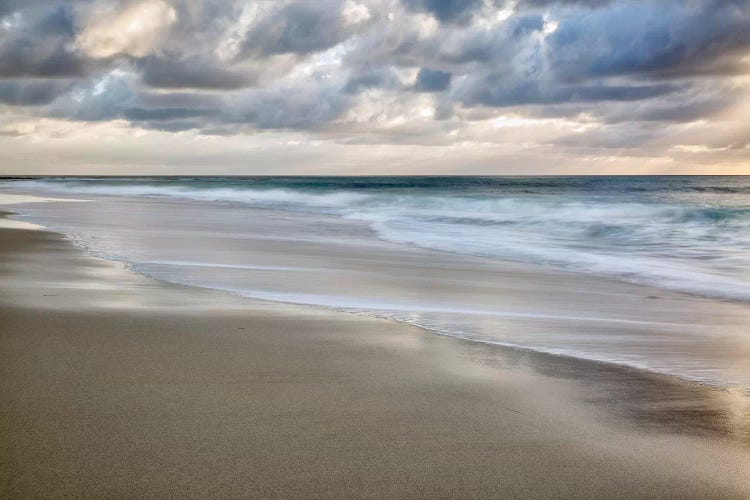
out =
column 374, row 87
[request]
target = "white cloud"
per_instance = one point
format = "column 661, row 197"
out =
column 355, row 13
column 135, row 30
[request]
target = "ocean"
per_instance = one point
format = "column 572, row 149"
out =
column 432, row 251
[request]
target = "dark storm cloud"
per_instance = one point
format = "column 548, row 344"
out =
column 191, row 72
column 549, row 3
column 297, row 28
column 432, row 80
column 500, row 46
column 523, row 25
column 664, row 39
column 493, row 91
column 119, row 97
column 104, row 99
column 40, row 45
column 12, row 6
column 173, row 99
column 31, row 92
column 371, row 77
column 445, row 10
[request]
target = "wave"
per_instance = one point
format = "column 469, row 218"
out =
column 661, row 238
column 270, row 197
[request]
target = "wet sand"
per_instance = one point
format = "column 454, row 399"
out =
column 116, row 385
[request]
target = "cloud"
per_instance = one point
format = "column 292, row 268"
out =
column 495, row 91
column 192, row 72
column 37, row 42
column 136, row 29
column 660, row 40
column 548, row 3
column 587, row 74
column 162, row 114
column 288, row 108
column 296, row 28
column 32, row 92
column 369, row 77
column 432, row 80
column 445, row 10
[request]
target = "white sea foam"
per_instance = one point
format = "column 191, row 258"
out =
column 16, row 199
column 219, row 265
column 270, row 197
column 18, row 224
column 690, row 247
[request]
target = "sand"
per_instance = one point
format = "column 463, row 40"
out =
column 115, row 385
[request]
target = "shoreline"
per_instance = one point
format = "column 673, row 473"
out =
column 523, row 266
column 108, row 374
column 667, row 283
column 130, row 267
column 6, row 215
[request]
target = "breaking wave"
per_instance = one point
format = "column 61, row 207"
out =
column 686, row 234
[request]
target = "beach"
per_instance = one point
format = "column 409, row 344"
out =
column 114, row 384
column 374, row 249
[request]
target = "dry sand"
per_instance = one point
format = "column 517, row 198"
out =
column 114, row 385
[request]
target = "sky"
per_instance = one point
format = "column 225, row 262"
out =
column 374, row 87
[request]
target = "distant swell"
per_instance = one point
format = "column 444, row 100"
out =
column 269, row 197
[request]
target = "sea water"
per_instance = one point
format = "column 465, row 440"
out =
column 422, row 250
